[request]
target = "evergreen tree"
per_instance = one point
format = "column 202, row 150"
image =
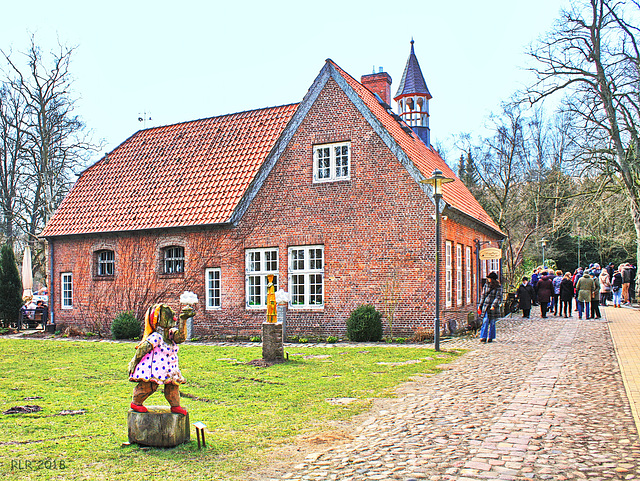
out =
column 10, row 287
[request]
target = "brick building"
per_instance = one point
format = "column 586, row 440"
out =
column 324, row 194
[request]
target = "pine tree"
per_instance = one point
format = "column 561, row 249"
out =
column 10, row 287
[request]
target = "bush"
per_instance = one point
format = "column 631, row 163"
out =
column 10, row 287
column 255, row 339
column 125, row 326
column 332, row 339
column 364, row 324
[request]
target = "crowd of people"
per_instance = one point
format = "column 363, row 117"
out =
column 591, row 287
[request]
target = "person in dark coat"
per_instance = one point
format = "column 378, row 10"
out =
column 490, row 307
column 566, row 295
column 525, row 295
column 545, row 292
column 616, row 288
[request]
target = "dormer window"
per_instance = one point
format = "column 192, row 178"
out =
column 332, row 162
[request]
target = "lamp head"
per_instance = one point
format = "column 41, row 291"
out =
column 436, row 180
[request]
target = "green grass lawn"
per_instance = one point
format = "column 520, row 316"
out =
column 246, row 408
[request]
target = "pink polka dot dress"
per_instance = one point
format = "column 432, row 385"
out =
column 160, row 365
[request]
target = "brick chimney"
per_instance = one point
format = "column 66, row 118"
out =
column 378, row 83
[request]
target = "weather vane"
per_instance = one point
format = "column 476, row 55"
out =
column 142, row 117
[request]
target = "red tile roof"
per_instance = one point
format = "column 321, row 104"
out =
column 424, row 158
column 187, row 174
column 199, row 172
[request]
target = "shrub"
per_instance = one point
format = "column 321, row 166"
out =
column 364, row 324
column 332, row 339
column 125, row 326
column 10, row 287
column 255, row 339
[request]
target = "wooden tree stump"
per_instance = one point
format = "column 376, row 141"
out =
column 159, row 427
column 272, row 347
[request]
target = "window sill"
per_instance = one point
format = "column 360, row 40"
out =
column 103, row 278
column 306, row 308
column 179, row 275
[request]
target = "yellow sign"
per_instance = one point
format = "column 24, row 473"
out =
column 490, row 253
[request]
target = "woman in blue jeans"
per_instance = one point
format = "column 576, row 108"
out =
column 489, row 307
column 616, row 288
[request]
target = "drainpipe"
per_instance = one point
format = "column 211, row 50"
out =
column 51, row 283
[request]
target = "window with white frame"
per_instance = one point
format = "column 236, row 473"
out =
column 212, row 288
column 494, row 266
column 458, row 274
column 449, row 274
column 332, row 162
column 173, row 260
column 468, row 273
column 259, row 264
column 306, row 276
column 106, row 263
column 66, row 290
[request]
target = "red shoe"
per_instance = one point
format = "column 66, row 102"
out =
column 139, row 408
column 179, row 410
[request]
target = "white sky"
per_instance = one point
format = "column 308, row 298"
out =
column 187, row 59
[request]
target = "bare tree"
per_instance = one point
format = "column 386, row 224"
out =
column 593, row 57
column 12, row 158
column 48, row 140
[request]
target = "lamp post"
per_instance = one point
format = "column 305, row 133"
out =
column 543, row 241
column 436, row 180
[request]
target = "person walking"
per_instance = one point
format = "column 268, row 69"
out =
column 632, row 283
column 525, row 294
column 625, row 271
column 605, row 287
column 616, row 288
column 535, row 277
column 490, row 307
column 595, row 298
column 556, row 292
column 584, row 288
column 566, row 294
column 545, row 291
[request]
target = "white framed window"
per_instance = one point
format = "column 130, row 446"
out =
column 66, row 290
column 306, row 276
column 468, row 273
column 173, row 260
column 494, row 266
column 458, row 274
column 332, row 162
column 449, row 274
column 212, row 288
column 106, row 263
column 259, row 264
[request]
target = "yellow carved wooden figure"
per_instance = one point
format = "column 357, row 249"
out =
column 272, row 315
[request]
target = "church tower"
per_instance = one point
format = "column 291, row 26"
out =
column 413, row 99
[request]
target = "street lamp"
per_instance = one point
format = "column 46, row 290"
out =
column 436, row 180
column 543, row 241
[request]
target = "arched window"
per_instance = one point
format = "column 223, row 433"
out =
column 105, row 261
column 173, row 260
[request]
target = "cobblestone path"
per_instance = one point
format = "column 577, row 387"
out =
column 545, row 401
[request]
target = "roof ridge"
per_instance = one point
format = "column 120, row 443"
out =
column 229, row 114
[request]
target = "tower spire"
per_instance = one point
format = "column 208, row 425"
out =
column 413, row 98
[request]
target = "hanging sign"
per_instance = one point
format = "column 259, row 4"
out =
column 490, row 253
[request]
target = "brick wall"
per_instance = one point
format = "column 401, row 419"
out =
column 377, row 230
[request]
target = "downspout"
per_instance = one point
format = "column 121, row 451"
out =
column 51, row 284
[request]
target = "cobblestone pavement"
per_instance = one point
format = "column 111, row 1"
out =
column 545, row 401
